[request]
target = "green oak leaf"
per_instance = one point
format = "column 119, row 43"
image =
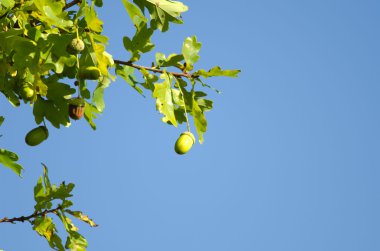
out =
column 57, row 91
column 98, row 98
column 45, row 192
column 164, row 99
column 217, row 71
column 103, row 58
column 11, row 40
column 9, row 159
column 173, row 8
column 150, row 79
column 126, row 72
column 171, row 60
column 12, row 97
column 135, row 14
column 190, row 50
column 45, row 227
column 81, row 216
column 90, row 113
column 1, row 120
column 41, row 196
column 76, row 242
column 54, row 53
column 205, row 104
column 50, row 12
column 100, row 38
column 200, row 121
column 140, row 43
column 68, row 224
column 92, row 20
column 163, row 11
column 63, row 191
column 55, row 112
column 8, row 3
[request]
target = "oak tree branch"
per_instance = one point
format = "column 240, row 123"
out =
column 71, row 4
column 34, row 215
column 139, row 67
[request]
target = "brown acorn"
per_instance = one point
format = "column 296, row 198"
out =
column 76, row 108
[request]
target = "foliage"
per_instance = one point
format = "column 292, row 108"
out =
column 46, row 196
column 50, row 51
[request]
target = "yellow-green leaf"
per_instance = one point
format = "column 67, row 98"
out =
column 217, row 71
column 200, row 121
column 8, row 159
column 81, row 216
column 190, row 50
column 164, row 99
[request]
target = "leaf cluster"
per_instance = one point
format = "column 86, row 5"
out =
column 51, row 198
column 38, row 68
column 34, row 36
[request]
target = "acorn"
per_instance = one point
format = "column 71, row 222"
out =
column 184, row 143
column 36, row 136
column 27, row 91
column 75, row 46
column 89, row 72
column 76, row 108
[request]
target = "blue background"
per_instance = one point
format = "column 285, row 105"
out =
column 290, row 160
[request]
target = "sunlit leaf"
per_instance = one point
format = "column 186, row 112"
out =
column 190, row 50
column 171, row 60
column 81, row 216
column 98, row 98
column 217, row 71
column 90, row 113
column 76, row 242
column 164, row 99
column 135, row 13
column 126, row 72
column 163, row 11
column 140, row 43
column 92, row 20
column 200, row 121
column 9, row 159
column 55, row 112
column 45, row 227
column 50, row 12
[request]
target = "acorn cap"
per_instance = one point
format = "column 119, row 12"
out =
column 77, row 102
column 189, row 134
column 77, row 44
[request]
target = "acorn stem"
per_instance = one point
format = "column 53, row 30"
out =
column 183, row 99
column 78, row 54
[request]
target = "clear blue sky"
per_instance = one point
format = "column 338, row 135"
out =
column 291, row 159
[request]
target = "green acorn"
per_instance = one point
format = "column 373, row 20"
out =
column 75, row 46
column 90, row 72
column 36, row 136
column 27, row 91
column 184, row 143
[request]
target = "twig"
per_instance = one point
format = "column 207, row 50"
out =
column 26, row 218
column 139, row 67
column 71, row 4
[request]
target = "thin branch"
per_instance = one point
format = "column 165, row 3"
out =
column 27, row 218
column 71, row 4
column 139, row 67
